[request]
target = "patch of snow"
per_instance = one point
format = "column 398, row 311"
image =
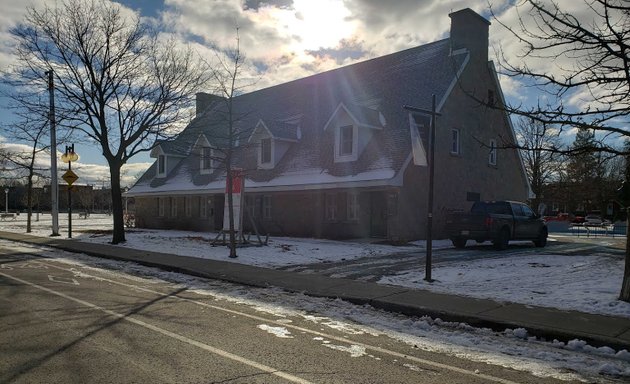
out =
column 280, row 332
column 353, row 350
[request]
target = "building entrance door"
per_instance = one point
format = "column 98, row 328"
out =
column 378, row 214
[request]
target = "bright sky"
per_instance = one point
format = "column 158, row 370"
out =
column 287, row 39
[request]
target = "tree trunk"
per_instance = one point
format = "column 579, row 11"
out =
column 29, row 201
column 230, row 197
column 624, row 295
column 118, row 235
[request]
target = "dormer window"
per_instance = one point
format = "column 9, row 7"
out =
column 345, row 140
column 273, row 138
column 353, row 127
column 346, row 148
column 265, row 151
column 161, row 162
column 205, row 160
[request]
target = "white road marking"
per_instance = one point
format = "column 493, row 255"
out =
column 167, row 333
column 310, row 331
column 64, row 280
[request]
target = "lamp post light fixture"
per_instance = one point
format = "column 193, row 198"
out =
column 6, row 200
column 70, row 177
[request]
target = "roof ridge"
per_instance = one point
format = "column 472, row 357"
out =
column 345, row 67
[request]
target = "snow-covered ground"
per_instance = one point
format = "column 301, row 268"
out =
column 583, row 283
column 505, row 278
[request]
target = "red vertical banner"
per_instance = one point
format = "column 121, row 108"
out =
column 238, row 186
column 237, row 181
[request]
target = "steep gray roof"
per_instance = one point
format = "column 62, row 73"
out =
column 372, row 90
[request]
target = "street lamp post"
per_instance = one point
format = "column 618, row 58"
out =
column 69, row 157
column 431, row 112
column 54, row 185
column 6, row 200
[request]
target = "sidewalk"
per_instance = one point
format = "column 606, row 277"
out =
column 550, row 323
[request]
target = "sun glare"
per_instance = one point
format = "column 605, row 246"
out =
column 317, row 24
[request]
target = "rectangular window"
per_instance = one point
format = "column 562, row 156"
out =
column 206, row 158
column 161, row 203
column 346, row 140
column 173, row 206
column 266, row 206
column 353, row 206
column 161, row 164
column 492, row 155
column 188, row 206
column 265, row 151
column 249, row 206
column 203, row 207
column 331, row 206
column 455, row 141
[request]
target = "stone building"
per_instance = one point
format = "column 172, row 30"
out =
column 330, row 155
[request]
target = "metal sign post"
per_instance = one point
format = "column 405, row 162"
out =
column 434, row 115
column 70, row 177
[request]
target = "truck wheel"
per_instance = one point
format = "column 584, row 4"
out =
column 541, row 241
column 458, row 242
column 502, row 240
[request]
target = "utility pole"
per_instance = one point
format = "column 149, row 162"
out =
column 54, row 185
column 429, row 251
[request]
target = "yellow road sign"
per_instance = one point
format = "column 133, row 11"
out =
column 70, row 177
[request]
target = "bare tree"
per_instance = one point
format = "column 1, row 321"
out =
column 587, row 62
column 542, row 163
column 117, row 81
column 230, row 135
column 24, row 163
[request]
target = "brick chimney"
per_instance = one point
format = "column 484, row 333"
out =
column 470, row 30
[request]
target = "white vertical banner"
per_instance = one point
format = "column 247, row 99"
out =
column 238, row 189
column 417, row 147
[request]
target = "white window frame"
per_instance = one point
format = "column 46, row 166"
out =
column 188, row 206
column 266, row 207
column 203, row 207
column 492, row 155
column 161, row 201
column 261, row 161
column 352, row 206
column 161, row 165
column 205, row 160
column 455, row 142
column 330, row 204
column 173, row 206
column 351, row 156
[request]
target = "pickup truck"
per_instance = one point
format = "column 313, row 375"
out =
column 497, row 221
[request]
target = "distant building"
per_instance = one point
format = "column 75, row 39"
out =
column 330, row 155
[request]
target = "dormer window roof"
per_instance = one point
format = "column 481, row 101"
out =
column 362, row 117
column 276, row 130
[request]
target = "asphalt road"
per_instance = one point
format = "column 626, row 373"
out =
column 64, row 323
column 373, row 268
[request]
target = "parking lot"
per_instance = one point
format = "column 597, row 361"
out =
column 373, row 268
